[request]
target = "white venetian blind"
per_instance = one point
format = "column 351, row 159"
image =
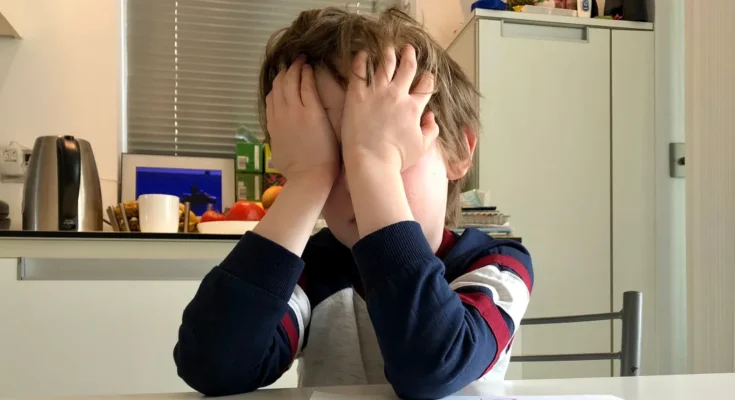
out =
column 193, row 65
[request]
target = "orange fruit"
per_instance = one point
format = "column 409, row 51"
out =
column 270, row 195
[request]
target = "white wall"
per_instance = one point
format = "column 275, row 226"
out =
column 443, row 18
column 71, row 338
column 62, row 78
column 710, row 198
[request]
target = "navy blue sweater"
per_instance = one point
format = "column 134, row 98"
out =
column 441, row 320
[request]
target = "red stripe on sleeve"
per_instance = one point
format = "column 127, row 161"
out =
column 448, row 241
column 507, row 261
column 292, row 332
column 494, row 319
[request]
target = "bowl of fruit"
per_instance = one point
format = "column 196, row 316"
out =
column 243, row 216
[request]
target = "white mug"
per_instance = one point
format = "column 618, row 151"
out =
column 158, row 213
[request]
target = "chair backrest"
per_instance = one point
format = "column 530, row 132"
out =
column 630, row 347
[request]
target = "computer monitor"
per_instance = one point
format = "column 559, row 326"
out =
column 200, row 181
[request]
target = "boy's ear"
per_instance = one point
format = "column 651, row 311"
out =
column 458, row 169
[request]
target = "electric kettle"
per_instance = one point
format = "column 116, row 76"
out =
column 62, row 189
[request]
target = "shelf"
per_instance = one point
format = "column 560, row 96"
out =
column 6, row 29
column 561, row 20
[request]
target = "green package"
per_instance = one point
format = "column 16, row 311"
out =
column 248, row 186
column 249, row 157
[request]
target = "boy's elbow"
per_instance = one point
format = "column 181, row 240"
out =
column 211, row 385
column 425, row 385
column 417, row 392
column 210, row 378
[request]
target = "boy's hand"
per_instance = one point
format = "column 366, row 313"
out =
column 383, row 122
column 304, row 145
column 305, row 151
column 383, row 134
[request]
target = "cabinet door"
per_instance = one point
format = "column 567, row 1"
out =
column 544, row 156
column 634, row 183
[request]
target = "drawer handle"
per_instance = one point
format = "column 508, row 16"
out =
column 529, row 30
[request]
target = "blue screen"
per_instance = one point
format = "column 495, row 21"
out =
column 197, row 186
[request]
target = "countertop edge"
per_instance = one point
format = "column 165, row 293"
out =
column 126, row 236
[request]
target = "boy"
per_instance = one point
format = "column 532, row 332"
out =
column 374, row 127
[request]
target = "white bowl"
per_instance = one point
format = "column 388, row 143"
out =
column 226, row 227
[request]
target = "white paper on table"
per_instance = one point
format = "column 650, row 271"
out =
column 575, row 397
column 333, row 396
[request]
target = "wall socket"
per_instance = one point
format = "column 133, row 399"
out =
column 14, row 164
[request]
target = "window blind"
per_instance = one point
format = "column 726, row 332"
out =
column 193, row 65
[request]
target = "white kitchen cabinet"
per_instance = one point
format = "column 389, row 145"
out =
column 633, row 181
column 566, row 149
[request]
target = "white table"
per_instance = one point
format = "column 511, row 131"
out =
column 686, row 387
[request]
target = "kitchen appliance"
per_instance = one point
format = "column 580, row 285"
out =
column 201, row 181
column 62, row 189
column 14, row 160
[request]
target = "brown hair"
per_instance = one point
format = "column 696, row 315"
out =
column 331, row 37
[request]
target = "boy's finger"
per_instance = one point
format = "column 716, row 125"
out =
column 424, row 89
column 385, row 74
column 277, row 90
column 407, row 69
column 425, row 85
column 359, row 70
column 292, row 84
column 309, row 95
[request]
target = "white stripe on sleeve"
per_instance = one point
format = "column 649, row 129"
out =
column 300, row 305
column 509, row 291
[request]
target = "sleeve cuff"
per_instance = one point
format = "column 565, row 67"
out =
column 388, row 250
column 265, row 264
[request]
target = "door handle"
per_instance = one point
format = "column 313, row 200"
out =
column 677, row 160
column 530, row 30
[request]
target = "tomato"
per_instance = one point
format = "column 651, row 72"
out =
column 211, row 215
column 245, row 211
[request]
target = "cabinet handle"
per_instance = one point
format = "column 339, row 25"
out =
column 529, row 30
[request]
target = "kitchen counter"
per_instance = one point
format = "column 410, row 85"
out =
column 116, row 245
column 115, row 235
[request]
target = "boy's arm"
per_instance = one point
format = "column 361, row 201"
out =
column 435, row 338
column 246, row 322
